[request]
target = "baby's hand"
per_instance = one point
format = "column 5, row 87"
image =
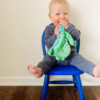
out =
column 56, row 31
column 64, row 23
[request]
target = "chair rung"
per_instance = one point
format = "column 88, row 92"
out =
column 61, row 82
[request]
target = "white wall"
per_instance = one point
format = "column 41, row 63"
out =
column 21, row 26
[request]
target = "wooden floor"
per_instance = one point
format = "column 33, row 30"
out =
column 54, row 93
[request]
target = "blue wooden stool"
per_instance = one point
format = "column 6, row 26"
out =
column 62, row 70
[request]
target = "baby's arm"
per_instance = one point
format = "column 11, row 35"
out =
column 73, row 31
column 50, row 37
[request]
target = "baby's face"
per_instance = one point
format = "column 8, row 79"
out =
column 58, row 13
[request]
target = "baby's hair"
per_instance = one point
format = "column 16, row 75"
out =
column 52, row 2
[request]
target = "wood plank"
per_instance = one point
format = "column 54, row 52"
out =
column 54, row 93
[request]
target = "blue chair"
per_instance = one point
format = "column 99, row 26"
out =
column 62, row 70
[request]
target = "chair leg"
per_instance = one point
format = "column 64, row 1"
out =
column 79, row 86
column 45, row 87
column 74, row 80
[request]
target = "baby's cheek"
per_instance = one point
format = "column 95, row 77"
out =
column 56, row 21
column 67, row 19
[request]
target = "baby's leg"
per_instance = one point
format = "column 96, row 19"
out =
column 43, row 67
column 82, row 64
column 96, row 71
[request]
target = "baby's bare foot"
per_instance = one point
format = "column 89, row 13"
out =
column 96, row 71
column 35, row 70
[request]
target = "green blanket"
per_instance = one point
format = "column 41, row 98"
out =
column 61, row 48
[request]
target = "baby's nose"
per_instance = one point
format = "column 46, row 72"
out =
column 62, row 16
column 61, row 19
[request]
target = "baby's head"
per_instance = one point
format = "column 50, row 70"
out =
column 58, row 10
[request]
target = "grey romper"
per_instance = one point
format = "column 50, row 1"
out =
column 74, row 58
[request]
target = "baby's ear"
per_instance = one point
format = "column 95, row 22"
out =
column 50, row 17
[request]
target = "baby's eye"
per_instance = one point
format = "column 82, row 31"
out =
column 57, row 14
column 66, row 13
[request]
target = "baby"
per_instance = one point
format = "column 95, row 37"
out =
column 59, row 15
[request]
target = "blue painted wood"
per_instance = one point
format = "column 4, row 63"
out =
column 65, row 70
column 45, row 87
column 43, row 44
column 62, row 70
column 78, row 45
column 73, row 76
column 61, row 82
column 79, row 87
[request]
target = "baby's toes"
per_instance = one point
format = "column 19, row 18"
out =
column 32, row 69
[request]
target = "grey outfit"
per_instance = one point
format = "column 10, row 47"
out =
column 74, row 58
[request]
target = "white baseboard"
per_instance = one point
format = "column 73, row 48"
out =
column 32, row 81
column 20, row 81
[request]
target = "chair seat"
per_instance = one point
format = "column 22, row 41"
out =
column 65, row 70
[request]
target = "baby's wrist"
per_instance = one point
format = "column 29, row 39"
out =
column 66, row 27
column 56, row 33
